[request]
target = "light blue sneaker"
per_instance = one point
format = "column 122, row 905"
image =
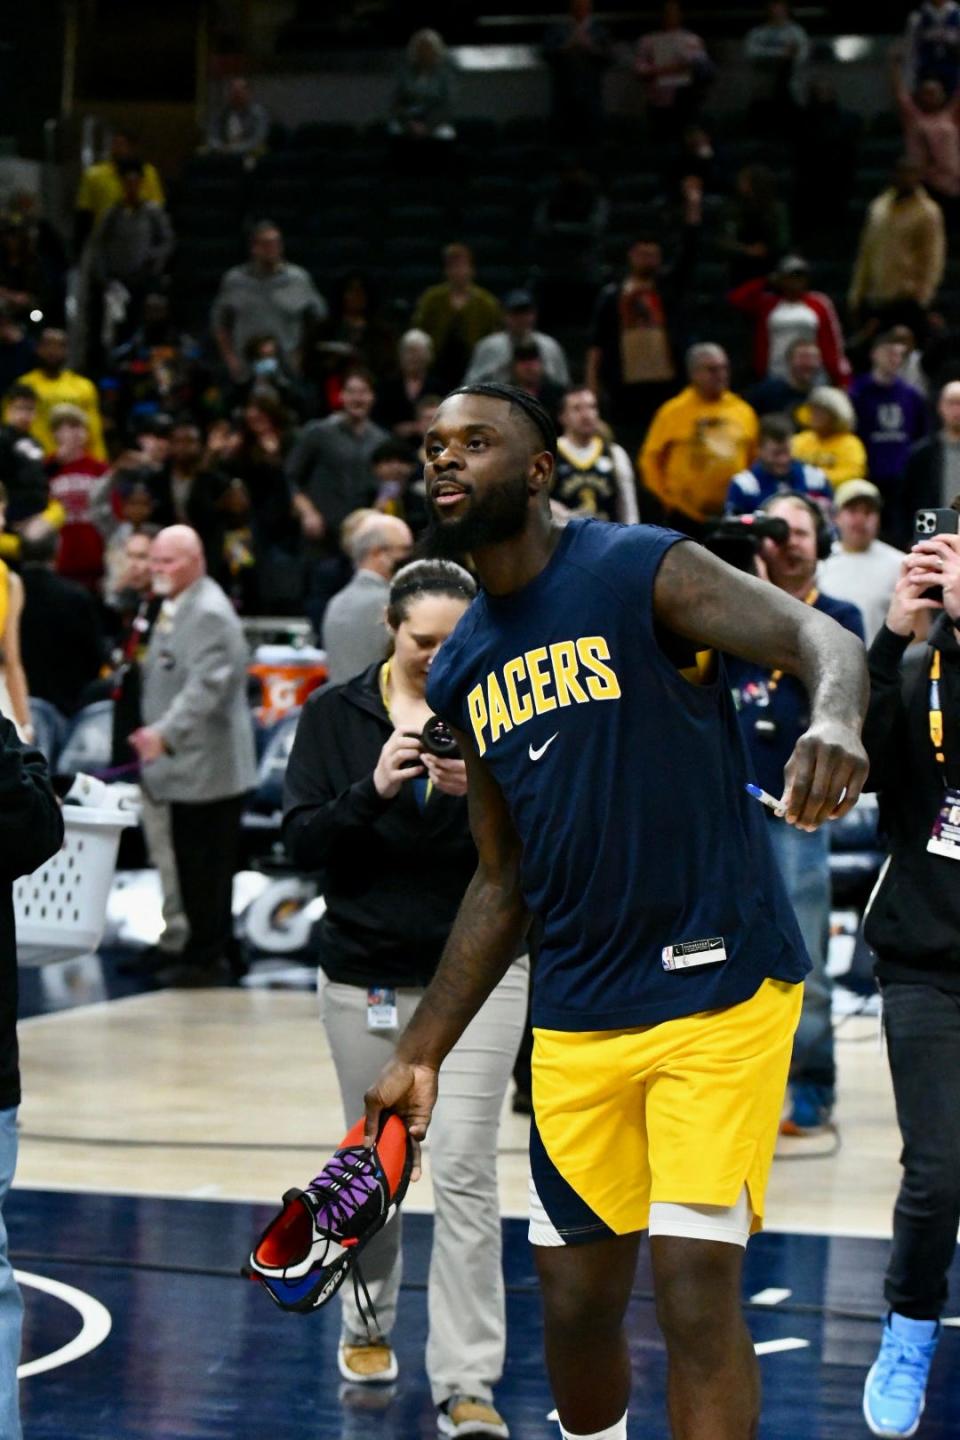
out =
column 893, row 1396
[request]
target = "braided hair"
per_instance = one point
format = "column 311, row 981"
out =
column 537, row 414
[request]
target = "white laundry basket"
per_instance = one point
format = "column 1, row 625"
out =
column 60, row 909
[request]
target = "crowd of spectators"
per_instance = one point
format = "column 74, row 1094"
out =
column 304, row 398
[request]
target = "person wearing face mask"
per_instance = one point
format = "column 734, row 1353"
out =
column 386, row 822
column 267, row 367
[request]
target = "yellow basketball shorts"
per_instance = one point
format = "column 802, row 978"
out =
column 685, row 1112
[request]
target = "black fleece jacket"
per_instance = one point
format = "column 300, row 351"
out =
column 31, row 830
column 393, row 874
column 913, row 922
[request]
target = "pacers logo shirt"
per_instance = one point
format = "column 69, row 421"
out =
column 646, row 860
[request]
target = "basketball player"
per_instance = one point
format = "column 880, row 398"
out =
column 606, row 788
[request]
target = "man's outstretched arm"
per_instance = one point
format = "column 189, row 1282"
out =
column 698, row 596
column 486, row 934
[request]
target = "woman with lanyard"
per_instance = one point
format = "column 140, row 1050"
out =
column 912, row 736
column 386, row 823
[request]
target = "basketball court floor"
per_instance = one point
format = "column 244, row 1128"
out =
column 159, row 1129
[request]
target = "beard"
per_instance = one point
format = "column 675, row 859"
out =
column 499, row 515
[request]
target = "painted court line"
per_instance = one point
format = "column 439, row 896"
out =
column 94, row 1330
column 779, row 1347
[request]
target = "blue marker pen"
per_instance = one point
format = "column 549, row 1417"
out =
column 777, row 806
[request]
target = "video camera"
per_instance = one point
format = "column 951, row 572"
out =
column 736, row 539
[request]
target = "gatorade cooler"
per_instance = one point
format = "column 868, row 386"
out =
column 287, row 675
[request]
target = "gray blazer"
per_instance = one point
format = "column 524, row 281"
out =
column 354, row 630
column 195, row 695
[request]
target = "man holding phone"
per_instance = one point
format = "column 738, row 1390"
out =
column 912, row 736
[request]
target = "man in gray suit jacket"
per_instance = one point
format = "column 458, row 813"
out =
column 196, row 746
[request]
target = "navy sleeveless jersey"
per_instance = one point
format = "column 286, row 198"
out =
column 641, row 848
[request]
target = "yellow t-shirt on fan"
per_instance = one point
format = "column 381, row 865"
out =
column 840, row 457
column 694, row 448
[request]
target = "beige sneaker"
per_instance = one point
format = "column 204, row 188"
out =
column 372, row 1362
column 464, row 1415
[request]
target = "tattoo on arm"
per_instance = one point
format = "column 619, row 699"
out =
column 698, row 596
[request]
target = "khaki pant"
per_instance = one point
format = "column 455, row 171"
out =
column 158, row 839
column 465, row 1293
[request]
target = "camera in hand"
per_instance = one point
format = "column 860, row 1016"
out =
column 926, row 524
column 439, row 739
column 736, row 539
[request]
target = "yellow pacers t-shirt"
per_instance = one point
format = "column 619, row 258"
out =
column 694, row 448
column 68, row 388
column 840, row 457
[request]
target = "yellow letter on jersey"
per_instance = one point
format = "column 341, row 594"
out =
column 603, row 683
column 477, row 710
column 499, row 714
column 563, row 657
column 521, row 707
column 539, row 681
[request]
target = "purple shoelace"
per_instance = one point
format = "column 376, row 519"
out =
column 346, row 1183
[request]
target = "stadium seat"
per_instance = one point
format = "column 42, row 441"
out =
column 201, row 220
column 410, row 280
column 526, row 129
column 490, row 250
column 856, row 850
column 88, row 743
column 410, row 250
column 478, row 130
column 492, row 219
column 317, row 135
column 214, row 164
column 287, row 163
column 49, row 728
column 418, row 220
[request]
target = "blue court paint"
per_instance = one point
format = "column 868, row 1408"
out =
column 196, row 1353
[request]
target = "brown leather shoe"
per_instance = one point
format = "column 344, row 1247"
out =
column 369, row 1363
column 464, row 1415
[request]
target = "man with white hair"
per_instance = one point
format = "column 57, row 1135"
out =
column 399, row 395
column 196, row 747
column 696, row 444
column 354, row 629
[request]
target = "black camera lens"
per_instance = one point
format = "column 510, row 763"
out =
column 439, row 739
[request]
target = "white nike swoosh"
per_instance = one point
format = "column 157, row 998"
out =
column 539, row 754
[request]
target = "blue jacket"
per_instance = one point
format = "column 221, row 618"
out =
column 751, row 489
column 774, row 711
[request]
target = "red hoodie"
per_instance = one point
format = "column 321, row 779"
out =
column 755, row 297
column 81, row 544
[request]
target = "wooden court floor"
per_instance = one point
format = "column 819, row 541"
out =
column 157, row 1133
column 230, row 1094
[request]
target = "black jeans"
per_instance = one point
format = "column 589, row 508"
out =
column 206, row 843
column 923, row 1043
